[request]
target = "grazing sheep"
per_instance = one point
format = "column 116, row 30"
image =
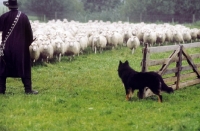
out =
column 149, row 37
column 132, row 43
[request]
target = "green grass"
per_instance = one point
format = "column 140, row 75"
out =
column 87, row 95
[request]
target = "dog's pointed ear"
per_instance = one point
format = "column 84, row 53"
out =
column 126, row 62
column 120, row 62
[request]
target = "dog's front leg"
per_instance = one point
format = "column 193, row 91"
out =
column 140, row 94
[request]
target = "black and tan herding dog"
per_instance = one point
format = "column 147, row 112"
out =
column 133, row 80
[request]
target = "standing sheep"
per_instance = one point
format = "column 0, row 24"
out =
column 132, row 43
column 108, row 37
column 160, row 38
column 83, row 40
column 116, row 39
column 127, row 35
column 193, row 33
column 59, row 48
column 73, row 48
column 99, row 43
column 177, row 37
column 34, row 51
column 149, row 37
column 46, row 51
column 186, row 35
column 168, row 36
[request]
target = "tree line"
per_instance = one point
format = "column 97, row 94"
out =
column 114, row 10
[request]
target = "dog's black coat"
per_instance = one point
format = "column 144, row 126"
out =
column 139, row 80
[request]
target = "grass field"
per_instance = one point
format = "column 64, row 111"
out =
column 86, row 94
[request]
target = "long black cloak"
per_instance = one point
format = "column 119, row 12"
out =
column 16, row 52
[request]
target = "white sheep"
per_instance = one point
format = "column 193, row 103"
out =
column 34, row 51
column 140, row 35
column 168, row 35
column 73, row 48
column 108, row 37
column 193, row 33
column 133, row 43
column 127, row 35
column 99, row 43
column 186, row 35
column 116, row 39
column 90, row 40
column 160, row 37
column 59, row 48
column 46, row 51
column 141, row 32
column 83, row 41
column 149, row 37
column 177, row 37
column 120, row 39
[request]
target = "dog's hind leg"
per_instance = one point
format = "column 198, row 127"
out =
column 159, row 98
column 159, row 95
column 157, row 92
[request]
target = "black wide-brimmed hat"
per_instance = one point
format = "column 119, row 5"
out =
column 11, row 3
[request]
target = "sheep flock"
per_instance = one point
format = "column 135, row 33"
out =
column 58, row 38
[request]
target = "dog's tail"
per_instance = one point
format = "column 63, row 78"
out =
column 165, row 88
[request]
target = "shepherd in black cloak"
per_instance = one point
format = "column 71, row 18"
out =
column 17, row 36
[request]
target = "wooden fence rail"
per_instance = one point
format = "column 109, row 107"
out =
column 179, row 76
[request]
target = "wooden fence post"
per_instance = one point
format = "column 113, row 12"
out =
column 178, row 66
column 144, row 64
column 145, row 59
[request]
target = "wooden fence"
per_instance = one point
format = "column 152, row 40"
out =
column 174, row 72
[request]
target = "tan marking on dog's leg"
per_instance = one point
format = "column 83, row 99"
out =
column 159, row 100
column 130, row 93
column 127, row 97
